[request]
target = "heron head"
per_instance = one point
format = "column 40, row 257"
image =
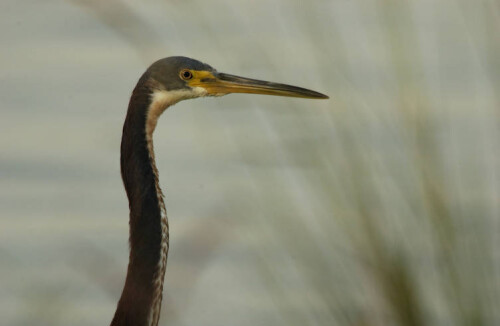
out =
column 187, row 78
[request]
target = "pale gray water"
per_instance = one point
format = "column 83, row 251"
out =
column 282, row 211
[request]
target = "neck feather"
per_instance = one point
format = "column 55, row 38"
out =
column 141, row 298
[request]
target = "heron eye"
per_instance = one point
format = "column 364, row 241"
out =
column 186, row 74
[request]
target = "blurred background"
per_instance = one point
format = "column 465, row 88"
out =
column 379, row 206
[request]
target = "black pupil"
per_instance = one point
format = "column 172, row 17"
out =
column 186, row 74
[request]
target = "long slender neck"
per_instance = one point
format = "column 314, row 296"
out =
column 140, row 301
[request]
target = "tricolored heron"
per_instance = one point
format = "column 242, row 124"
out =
column 166, row 82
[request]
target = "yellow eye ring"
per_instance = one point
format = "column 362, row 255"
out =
column 186, row 74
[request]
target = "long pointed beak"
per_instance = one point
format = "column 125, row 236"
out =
column 222, row 84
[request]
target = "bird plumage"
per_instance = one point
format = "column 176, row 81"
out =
column 165, row 82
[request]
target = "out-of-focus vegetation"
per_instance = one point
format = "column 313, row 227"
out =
column 379, row 206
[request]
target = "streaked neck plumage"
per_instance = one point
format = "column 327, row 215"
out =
column 141, row 298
